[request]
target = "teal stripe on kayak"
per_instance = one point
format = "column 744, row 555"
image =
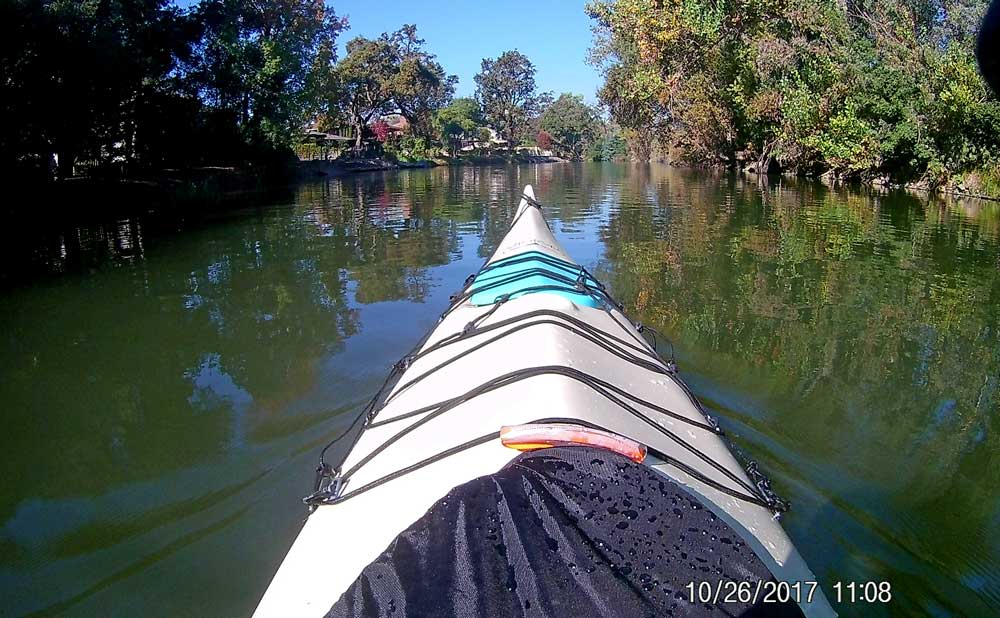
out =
column 546, row 274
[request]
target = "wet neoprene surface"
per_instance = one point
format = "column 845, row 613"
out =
column 559, row 532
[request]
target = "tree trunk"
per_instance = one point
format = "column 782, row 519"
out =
column 642, row 148
column 358, row 127
column 765, row 159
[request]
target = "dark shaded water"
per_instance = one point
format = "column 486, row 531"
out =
column 167, row 384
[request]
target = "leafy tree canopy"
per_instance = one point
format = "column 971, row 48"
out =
column 460, row 118
column 869, row 88
column 421, row 86
column 571, row 124
column 257, row 61
column 234, row 77
column 389, row 73
column 505, row 89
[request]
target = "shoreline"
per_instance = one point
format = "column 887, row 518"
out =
column 179, row 192
column 944, row 191
column 199, row 190
column 312, row 169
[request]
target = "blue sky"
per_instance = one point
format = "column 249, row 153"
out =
column 554, row 34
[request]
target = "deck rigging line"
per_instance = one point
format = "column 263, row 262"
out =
column 642, row 354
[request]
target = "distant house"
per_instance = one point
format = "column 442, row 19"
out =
column 315, row 144
column 398, row 124
column 474, row 143
column 319, row 137
column 336, row 133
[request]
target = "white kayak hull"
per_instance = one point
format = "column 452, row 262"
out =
column 339, row 540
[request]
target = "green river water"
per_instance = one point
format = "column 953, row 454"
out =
column 166, row 383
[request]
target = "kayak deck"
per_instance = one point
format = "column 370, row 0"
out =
column 532, row 337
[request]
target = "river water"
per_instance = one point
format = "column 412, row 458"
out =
column 167, row 383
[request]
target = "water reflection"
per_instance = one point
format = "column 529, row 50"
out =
column 167, row 383
column 854, row 338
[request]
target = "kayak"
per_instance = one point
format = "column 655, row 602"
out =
column 535, row 455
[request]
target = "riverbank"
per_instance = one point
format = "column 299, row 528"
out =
column 309, row 169
column 971, row 188
column 86, row 199
column 979, row 184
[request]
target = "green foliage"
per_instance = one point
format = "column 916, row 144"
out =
column 608, row 146
column 847, row 143
column 130, row 86
column 420, row 86
column 869, row 88
column 361, row 84
column 458, row 120
column 382, row 75
column 505, row 89
column 572, row 124
column 483, row 135
column 409, row 148
column 258, row 62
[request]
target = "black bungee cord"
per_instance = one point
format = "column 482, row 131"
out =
column 643, row 356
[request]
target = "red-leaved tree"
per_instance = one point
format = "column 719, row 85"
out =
column 381, row 130
column 544, row 140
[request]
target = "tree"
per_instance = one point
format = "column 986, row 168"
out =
column 609, row 146
column 421, row 86
column 636, row 88
column 544, row 140
column 387, row 74
column 461, row 118
column 258, row 62
column 483, row 136
column 571, row 125
column 364, row 83
column 505, row 89
column 380, row 128
column 56, row 104
column 869, row 88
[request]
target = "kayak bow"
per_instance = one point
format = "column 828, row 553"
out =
column 533, row 356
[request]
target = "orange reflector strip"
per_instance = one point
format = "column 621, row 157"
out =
column 538, row 436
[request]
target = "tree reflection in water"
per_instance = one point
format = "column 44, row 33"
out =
column 167, row 383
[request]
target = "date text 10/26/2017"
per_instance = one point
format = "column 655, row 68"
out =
column 728, row 591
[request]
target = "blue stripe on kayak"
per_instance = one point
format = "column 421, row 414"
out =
column 546, row 273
